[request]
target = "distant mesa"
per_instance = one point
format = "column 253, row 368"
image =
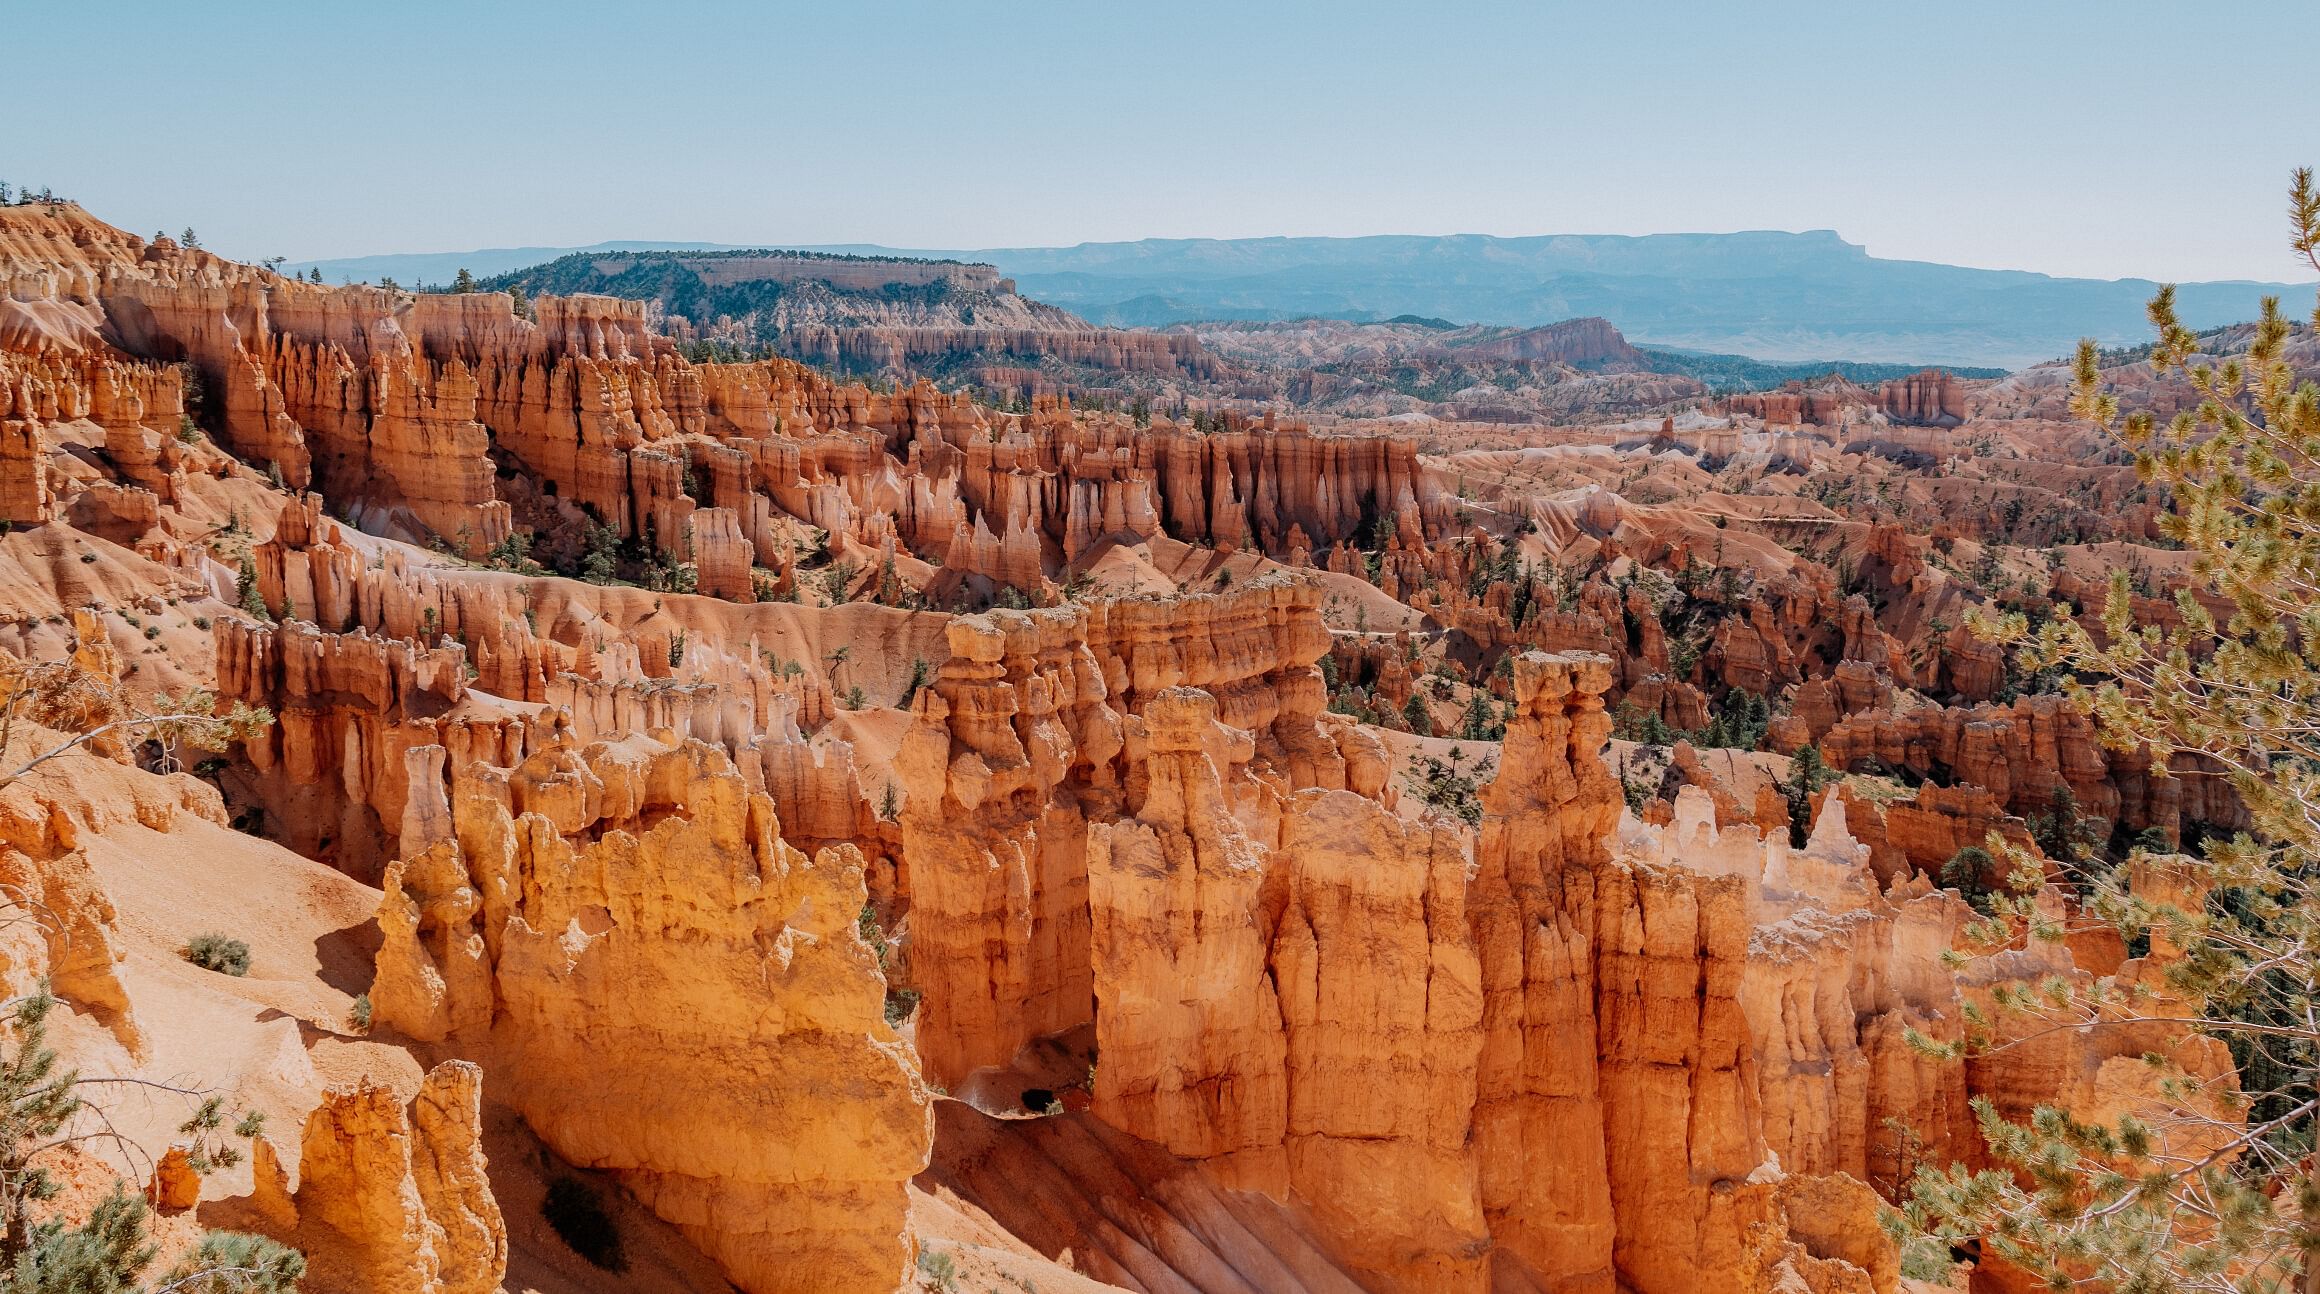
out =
column 891, row 315
column 1770, row 294
column 845, row 272
column 1573, row 341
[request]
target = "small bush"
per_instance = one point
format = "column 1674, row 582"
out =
column 153, row 631
column 900, row 1003
column 215, row 952
column 1966, row 872
column 577, row 1216
column 360, row 1015
column 938, row 1271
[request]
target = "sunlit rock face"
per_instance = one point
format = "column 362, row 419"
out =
column 671, row 994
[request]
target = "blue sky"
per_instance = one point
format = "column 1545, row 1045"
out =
column 2064, row 137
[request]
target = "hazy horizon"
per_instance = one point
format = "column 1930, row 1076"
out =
column 1991, row 137
column 658, row 243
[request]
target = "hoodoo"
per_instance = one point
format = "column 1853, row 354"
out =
column 1399, row 765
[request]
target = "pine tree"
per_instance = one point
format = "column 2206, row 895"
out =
column 2063, row 834
column 1418, row 716
column 1967, row 872
column 463, row 281
column 2233, row 683
column 1806, row 776
column 246, row 592
column 1480, row 722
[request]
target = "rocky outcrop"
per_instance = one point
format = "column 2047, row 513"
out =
column 1313, row 998
column 2024, row 753
column 138, row 407
column 1317, row 1000
column 1922, row 832
column 1854, row 686
column 1932, row 398
column 395, row 1198
column 1300, row 1013
column 1614, row 1041
column 901, row 348
column 24, row 493
column 1130, row 813
column 1844, row 960
column 58, row 924
column 1590, row 340
column 372, row 659
column 1380, row 998
column 721, row 554
column 672, row 995
column 1004, row 745
column 1188, row 1013
column 1024, row 739
column 1539, row 1096
column 1827, row 403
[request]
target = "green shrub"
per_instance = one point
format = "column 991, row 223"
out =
column 938, row 1272
column 577, row 1216
column 216, row 952
column 1967, row 872
column 900, row 1002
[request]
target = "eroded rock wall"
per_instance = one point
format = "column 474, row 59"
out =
column 2026, row 752
column 1025, row 738
column 669, row 993
column 435, row 417
column 393, row 1196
